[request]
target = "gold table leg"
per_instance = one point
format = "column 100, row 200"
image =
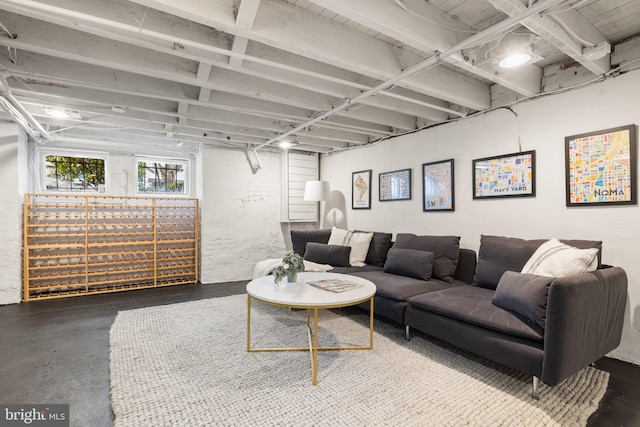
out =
column 313, row 341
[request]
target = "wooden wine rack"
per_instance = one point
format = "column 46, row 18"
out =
column 81, row 245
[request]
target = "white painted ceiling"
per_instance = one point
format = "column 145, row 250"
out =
column 242, row 73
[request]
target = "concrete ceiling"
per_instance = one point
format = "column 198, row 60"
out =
column 245, row 73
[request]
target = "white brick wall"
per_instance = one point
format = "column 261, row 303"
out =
column 240, row 214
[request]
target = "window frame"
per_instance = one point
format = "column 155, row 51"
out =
column 42, row 169
column 186, row 162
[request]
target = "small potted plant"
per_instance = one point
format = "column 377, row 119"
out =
column 292, row 264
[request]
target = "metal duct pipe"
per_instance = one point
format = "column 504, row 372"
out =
column 22, row 116
column 431, row 61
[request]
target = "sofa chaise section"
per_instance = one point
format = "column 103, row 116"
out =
column 582, row 322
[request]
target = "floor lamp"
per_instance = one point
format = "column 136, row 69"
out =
column 317, row 191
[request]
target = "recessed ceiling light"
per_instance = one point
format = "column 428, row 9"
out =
column 61, row 113
column 515, row 60
column 58, row 113
column 286, row 143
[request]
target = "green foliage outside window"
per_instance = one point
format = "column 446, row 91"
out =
column 161, row 177
column 66, row 173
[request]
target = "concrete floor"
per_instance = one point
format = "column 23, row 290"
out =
column 57, row 351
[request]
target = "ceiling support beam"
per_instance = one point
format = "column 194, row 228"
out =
column 389, row 18
column 247, row 12
column 433, row 60
column 550, row 28
column 203, row 73
column 162, row 66
column 290, row 28
column 184, row 39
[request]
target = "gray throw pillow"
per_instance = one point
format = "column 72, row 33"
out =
column 378, row 248
column 410, row 263
column 299, row 238
column 321, row 253
column 524, row 294
column 446, row 250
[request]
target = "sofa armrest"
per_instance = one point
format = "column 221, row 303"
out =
column 585, row 314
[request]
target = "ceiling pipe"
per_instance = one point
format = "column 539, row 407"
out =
column 18, row 112
column 431, row 61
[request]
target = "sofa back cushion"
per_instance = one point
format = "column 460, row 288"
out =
column 410, row 263
column 498, row 254
column 446, row 250
column 378, row 248
column 299, row 239
column 322, row 253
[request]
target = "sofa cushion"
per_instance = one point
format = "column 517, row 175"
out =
column 556, row 259
column 339, row 236
column 299, row 239
column 399, row 288
column 353, row 270
column 378, row 248
column 524, row 294
column 445, row 248
column 472, row 304
column 358, row 241
column 498, row 254
column 410, row 263
column 322, row 253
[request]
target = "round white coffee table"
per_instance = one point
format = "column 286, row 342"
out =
column 305, row 296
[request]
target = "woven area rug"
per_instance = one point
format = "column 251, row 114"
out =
column 186, row 364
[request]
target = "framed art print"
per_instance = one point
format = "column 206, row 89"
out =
column 395, row 185
column 437, row 186
column 361, row 189
column 601, row 167
column 509, row 175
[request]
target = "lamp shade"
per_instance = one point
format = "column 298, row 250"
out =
column 317, row 191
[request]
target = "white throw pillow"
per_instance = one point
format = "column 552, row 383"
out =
column 556, row 259
column 339, row 236
column 359, row 243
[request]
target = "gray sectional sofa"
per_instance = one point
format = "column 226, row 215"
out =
column 549, row 328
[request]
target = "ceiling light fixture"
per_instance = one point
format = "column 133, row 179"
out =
column 62, row 113
column 596, row 52
column 57, row 113
column 515, row 59
column 287, row 143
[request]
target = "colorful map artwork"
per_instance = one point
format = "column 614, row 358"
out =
column 361, row 191
column 600, row 168
column 395, row 185
column 504, row 176
column 437, row 187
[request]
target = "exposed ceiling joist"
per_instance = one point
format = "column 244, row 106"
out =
column 563, row 30
column 242, row 73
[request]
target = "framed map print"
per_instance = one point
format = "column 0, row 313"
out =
column 437, row 186
column 395, row 185
column 361, row 189
column 601, row 167
column 509, row 175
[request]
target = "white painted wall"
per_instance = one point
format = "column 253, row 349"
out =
column 543, row 124
column 240, row 223
column 10, row 217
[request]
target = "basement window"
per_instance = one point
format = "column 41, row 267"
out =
column 74, row 173
column 162, row 176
